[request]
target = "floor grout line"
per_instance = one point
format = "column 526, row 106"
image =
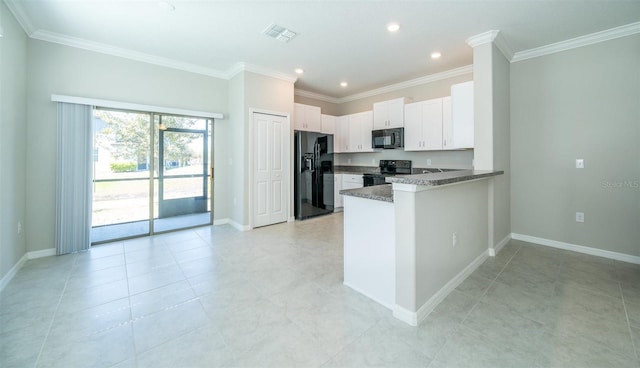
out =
column 477, row 301
column 626, row 314
column 55, row 313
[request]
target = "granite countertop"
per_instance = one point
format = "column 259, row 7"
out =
column 377, row 192
column 442, row 178
column 385, row 192
column 356, row 170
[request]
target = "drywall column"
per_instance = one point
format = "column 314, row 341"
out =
column 429, row 262
column 491, row 71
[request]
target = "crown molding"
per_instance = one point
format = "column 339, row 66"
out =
column 590, row 39
column 503, row 46
column 252, row 68
column 410, row 83
column 316, row 96
column 16, row 8
column 468, row 69
column 124, row 53
column 157, row 60
column 482, row 38
column 494, row 37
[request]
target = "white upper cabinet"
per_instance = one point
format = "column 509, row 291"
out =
column 341, row 137
column 461, row 116
column 307, row 118
column 447, row 126
column 360, row 127
column 423, row 125
column 388, row 114
column 413, row 126
column 328, row 123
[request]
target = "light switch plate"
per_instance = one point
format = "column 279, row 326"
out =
column 579, row 216
column 579, row 163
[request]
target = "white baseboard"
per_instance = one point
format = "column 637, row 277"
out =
column 239, row 226
column 414, row 318
column 12, row 272
column 577, row 248
column 498, row 247
column 41, row 253
column 405, row 315
column 229, row 221
column 218, row 222
column 291, row 219
column 384, row 304
column 16, row 267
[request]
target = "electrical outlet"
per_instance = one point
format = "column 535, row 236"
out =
column 579, row 163
column 579, row 216
column 373, row 161
column 428, row 162
column 19, row 227
column 348, row 160
column 454, row 239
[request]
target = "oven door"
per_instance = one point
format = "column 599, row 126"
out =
column 369, row 180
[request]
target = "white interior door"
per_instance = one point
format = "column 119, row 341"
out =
column 269, row 188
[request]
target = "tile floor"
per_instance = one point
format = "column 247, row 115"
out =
column 273, row 297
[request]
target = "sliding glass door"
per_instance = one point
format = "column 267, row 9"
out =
column 183, row 180
column 151, row 174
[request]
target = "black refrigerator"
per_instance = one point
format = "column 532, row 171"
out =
column 313, row 179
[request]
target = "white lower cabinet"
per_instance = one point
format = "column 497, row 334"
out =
column 352, row 181
column 337, row 187
column 345, row 181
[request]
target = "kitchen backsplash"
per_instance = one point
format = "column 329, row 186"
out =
column 433, row 159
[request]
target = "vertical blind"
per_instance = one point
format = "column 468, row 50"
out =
column 73, row 177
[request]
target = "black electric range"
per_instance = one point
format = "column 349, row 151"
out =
column 387, row 168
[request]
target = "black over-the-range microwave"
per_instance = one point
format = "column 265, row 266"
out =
column 388, row 138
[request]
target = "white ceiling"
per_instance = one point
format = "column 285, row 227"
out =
column 337, row 40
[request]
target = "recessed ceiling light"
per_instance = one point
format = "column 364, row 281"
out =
column 343, row 84
column 393, row 27
column 165, row 5
column 299, row 71
column 435, row 55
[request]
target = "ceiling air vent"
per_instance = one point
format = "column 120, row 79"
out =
column 279, row 33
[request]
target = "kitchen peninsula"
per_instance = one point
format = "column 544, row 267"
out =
column 409, row 243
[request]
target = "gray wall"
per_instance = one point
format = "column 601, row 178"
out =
column 582, row 103
column 501, row 146
column 328, row 108
column 271, row 94
column 13, row 139
column 57, row 69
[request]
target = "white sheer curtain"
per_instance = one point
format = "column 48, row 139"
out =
column 73, row 177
